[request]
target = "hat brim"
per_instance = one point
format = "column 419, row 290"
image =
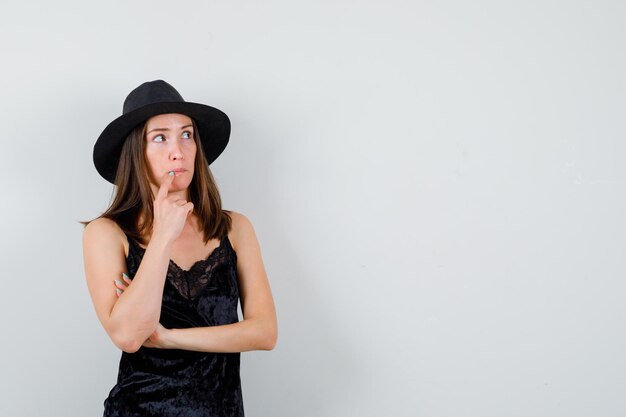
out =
column 213, row 125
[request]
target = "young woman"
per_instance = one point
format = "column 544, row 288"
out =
column 166, row 266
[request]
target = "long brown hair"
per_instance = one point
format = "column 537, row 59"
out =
column 134, row 196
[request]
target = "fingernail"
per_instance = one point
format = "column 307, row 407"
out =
column 119, row 282
column 125, row 276
column 118, row 290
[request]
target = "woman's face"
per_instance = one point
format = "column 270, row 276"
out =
column 170, row 146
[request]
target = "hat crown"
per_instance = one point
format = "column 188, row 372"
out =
column 151, row 92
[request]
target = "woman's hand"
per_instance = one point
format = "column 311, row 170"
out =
column 158, row 339
column 120, row 285
column 170, row 212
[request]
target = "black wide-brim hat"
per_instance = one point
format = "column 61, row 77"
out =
column 150, row 99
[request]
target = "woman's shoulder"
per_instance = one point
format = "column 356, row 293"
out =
column 103, row 225
column 239, row 221
column 234, row 215
column 242, row 229
column 104, row 229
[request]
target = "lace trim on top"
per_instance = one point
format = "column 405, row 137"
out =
column 197, row 278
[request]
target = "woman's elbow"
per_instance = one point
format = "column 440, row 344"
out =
column 131, row 346
column 270, row 339
column 126, row 342
column 271, row 344
column 127, row 345
column 129, row 340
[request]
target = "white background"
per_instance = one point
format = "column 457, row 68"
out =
column 437, row 187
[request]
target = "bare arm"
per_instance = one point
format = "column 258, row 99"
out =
column 132, row 317
column 243, row 336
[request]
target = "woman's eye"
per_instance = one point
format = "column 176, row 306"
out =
column 187, row 134
column 156, row 137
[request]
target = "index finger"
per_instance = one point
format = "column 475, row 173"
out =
column 165, row 185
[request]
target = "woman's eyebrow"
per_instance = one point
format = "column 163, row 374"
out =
column 164, row 128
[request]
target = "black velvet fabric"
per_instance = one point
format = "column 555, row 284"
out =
column 176, row 382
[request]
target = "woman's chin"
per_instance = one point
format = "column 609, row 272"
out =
column 179, row 184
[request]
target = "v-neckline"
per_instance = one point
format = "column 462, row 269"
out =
column 175, row 265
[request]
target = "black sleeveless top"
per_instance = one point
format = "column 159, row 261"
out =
column 176, row 382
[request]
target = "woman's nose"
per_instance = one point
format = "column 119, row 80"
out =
column 176, row 152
